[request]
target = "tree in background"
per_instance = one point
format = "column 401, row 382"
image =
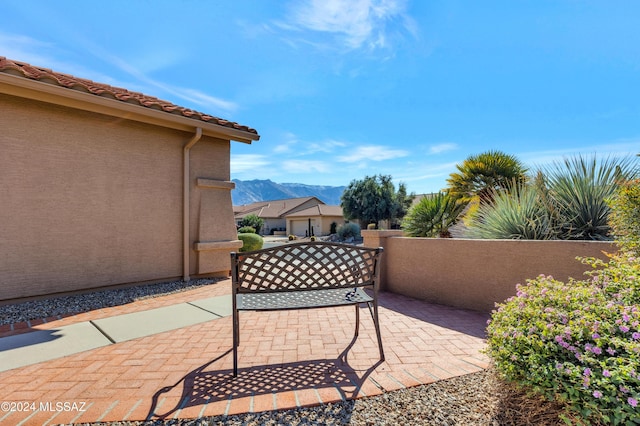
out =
column 480, row 175
column 253, row 221
column 374, row 199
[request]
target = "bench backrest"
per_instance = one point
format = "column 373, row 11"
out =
column 303, row 266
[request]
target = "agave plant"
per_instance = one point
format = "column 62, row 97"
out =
column 580, row 188
column 518, row 213
column 432, row 216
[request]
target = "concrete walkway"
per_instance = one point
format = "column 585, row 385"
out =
column 45, row 345
column 170, row 357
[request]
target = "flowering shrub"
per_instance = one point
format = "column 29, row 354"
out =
column 579, row 342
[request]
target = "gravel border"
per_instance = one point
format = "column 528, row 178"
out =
column 79, row 303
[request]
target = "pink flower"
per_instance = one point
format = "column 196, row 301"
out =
column 632, row 402
column 597, row 394
column 606, row 373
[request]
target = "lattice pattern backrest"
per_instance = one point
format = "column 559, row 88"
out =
column 306, row 266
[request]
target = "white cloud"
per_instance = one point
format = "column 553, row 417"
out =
column 372, row 153
column 203, row 99
column 326, row 146
column 443, row 147
column 305, row 166
column 357, row 23
column 247, row 162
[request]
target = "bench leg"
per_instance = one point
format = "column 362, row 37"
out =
column 376, row 323
column 357, row 320
column 236, row 342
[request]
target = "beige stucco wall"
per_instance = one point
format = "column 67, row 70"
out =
column 474, row 274
column 88, row 200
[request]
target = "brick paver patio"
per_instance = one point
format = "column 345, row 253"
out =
column 286, row 359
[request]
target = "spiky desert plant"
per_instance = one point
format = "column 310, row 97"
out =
column 514, row 214
column 580, row 188
column 433, row 216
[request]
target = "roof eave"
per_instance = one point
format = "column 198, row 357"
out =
column 45, row 92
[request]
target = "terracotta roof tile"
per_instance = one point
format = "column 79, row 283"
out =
column 46, row 75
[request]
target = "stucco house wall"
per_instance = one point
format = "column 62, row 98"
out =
column 91, row 199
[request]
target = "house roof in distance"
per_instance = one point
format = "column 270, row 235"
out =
column 72, row 83
column 272, row 209
column 319, row 210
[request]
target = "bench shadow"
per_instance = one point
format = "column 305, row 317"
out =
column 472, row 323
column 28, row 338
column 204, row 386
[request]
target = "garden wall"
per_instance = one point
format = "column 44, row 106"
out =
column 474, row 274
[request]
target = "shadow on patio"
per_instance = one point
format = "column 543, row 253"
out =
column 201, row 386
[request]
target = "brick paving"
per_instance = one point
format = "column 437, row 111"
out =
column 286, row 359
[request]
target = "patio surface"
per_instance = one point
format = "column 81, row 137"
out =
column 180, row 364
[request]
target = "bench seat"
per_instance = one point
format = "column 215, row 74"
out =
column 276, row 301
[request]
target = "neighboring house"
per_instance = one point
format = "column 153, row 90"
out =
column 101, row 186
column 292, row 215
column 315, row 220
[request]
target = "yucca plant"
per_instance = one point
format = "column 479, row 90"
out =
column 580, row 188
column 432, row 216
column 480, row 175
column 517, row 213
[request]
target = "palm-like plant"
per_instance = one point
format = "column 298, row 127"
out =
column 514, row 214
column 432, row 216
column 481, row 175
column 580, row 189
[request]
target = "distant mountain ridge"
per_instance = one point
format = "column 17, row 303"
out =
column 251, row 191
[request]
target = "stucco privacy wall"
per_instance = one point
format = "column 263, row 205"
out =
column 89, row 200
column 474, row 274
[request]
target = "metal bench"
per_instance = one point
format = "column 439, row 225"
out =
column 305, row 275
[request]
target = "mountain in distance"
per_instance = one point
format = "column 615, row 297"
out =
column 251, row 191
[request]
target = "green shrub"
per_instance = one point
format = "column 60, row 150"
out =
column 625, row 216
column 247, row 230
column 253, row 221
column 577, row 343
column 251, row 242
column 348, row 230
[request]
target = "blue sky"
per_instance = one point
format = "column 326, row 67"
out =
column 339, row 90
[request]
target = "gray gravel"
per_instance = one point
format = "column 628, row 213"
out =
column 55, row 306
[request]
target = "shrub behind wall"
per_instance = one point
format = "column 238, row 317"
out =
column 251, row 241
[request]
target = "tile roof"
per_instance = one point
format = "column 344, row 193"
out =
column 319, row 210
column 45, row 75
column 272, row 209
